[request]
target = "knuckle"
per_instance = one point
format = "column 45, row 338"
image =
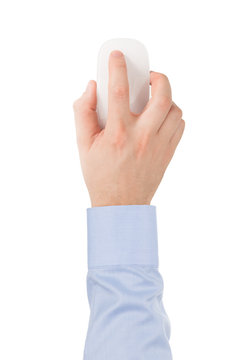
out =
column 164, row 102
column 120, row 91
column 142, row 143
column 182, row 125
column 178, row 112
column 120, row 63
column 85, row 111
column 118, row 136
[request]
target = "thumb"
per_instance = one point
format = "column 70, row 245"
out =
column 85, row 114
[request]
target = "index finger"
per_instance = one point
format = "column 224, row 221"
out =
column 118, row 88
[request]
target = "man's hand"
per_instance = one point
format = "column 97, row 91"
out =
column 124, row 163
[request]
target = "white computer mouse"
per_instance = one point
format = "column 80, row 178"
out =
column 138, row 75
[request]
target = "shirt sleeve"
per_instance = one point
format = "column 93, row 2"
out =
column 127, row 317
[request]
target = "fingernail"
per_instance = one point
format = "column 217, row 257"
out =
column 116, row 53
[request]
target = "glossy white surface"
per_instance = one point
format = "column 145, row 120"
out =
column 138, row 75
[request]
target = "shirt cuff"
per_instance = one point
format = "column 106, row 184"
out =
column 122, row 235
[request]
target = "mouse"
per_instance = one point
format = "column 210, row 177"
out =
column 137, row 61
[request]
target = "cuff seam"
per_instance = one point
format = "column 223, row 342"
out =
column 117, row 266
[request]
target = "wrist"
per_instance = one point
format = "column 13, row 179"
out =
column 119, row 202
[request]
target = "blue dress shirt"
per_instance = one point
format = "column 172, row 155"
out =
column 127, row 319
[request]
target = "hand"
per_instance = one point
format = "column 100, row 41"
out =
column 124, row 163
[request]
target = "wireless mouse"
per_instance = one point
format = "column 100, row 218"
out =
column 137, row 61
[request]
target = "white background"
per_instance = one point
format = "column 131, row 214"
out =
column 48, row 53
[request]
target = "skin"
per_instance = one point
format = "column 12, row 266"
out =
column 124, row 163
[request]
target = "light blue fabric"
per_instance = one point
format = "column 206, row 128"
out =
column 127, row 320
